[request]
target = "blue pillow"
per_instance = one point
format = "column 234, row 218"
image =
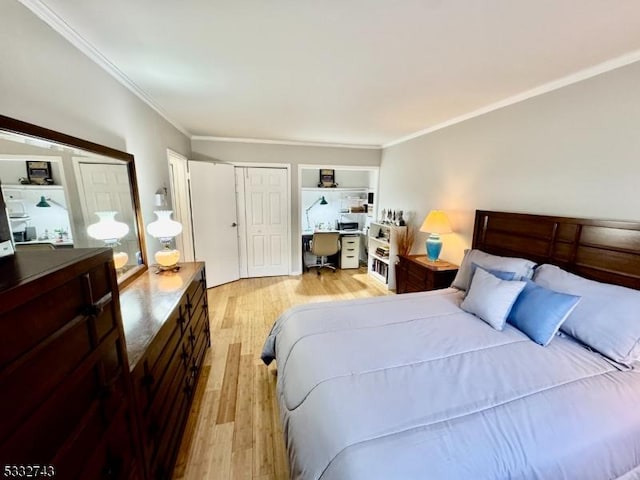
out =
column 502, row 275
column 538, row 312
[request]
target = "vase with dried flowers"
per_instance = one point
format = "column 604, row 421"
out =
column 406, row 237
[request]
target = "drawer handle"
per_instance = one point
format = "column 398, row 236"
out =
column 184, row 355
column 148, row 379
column 93, row 310
column 194, row 369
column 192, row 337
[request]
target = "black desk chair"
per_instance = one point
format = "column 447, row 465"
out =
column 323, row 245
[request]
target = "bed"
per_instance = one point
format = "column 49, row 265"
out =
column 414, row 387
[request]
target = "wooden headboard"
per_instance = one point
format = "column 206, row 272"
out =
column 603, row 250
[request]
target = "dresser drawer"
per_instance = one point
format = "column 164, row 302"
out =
column 58, row 357
column 161, row 411
column 23, row 327
column 195, row 295
column 198, row 355
column 112, row 458
column 58, row 417
column 163, row 353
column 167, row 448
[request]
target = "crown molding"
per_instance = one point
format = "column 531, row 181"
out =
column 284, row 142
column 576, row 77
column 60, row 26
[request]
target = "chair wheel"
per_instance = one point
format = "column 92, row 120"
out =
column 318, row 272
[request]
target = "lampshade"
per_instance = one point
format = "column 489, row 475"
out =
column 43, row 202
column 164, row 228
column 107, row 228
column 436, row 222
column 323, row 201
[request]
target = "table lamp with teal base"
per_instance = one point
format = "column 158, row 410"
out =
column 436, row 223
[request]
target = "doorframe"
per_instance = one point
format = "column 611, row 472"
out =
column 307, row 166
column 184, row 241
column 242, row 232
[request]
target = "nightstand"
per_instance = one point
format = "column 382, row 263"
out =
column 414, row 273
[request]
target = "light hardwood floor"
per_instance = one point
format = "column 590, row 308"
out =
column 233, row 430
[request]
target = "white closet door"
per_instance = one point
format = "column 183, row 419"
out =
column 267, row 228
column 215, row 229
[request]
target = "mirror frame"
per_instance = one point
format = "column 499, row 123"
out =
column 19, row 127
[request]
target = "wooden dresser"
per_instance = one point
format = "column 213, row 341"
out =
column 78, row 399
column 64, row 381
column 166, row 324
column 414, row 273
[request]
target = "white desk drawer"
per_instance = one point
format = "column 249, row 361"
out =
column 350, row 252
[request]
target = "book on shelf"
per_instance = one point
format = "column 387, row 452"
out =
column 380, row 268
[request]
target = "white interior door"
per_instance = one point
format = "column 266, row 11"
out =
column 179, row 177
column 267, row 228
column 215, row 229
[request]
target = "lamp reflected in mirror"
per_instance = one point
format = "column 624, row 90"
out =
column 165, row 229
column 110, row 231
column 46, row 203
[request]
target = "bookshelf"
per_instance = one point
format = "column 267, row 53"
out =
column 383, row 252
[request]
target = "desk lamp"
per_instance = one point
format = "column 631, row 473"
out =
column 46, row 202
column 110, row 231
column 164, row 229
column 435, row 224
column 321, row 201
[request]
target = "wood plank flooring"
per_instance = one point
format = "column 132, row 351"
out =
column 233, row 431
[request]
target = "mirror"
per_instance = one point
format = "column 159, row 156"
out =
column 55, row 186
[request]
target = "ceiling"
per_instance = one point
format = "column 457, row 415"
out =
column 361, row 72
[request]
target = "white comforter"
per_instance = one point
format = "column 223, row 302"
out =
column 412, row 387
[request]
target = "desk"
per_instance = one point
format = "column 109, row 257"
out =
column 337, row 259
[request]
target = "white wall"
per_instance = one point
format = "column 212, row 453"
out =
column 294, row 155
column 48, row 82
column 571, row 152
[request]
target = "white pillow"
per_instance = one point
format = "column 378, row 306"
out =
column 490, row 298
column 607, row 318
column 520, row 266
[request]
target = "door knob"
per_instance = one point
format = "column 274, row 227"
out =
column 234, row 224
